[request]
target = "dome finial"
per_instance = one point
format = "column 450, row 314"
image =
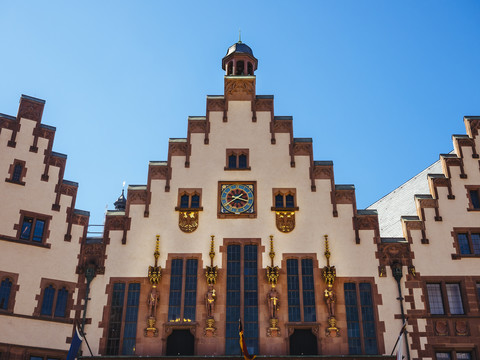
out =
column 239, row 36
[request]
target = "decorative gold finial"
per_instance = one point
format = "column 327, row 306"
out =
column 154, row 276
column 211, row 271
column 273, row 272
column 155, row 272
column 327, row 250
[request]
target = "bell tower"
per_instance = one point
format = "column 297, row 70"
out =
column 240, row 66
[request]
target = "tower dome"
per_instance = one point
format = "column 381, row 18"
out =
column 239, row 60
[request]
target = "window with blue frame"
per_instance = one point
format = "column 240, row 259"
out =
column 361, row 328
column 301, row 294
column 123, row 313
column 242, row 267
column 32, row 229
column 183, row 279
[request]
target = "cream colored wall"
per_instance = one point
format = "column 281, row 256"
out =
column 270, row 168
column 33, row 263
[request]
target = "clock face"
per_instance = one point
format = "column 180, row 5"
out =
column 237, row 199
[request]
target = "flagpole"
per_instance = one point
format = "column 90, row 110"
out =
column 86, row 342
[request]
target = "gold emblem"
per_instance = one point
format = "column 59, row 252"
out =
column 188, row 221
column 285, row 220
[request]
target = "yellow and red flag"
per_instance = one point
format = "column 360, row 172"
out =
column 243, row 344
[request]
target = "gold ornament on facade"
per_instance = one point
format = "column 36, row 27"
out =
column 154, row 276
column 211, row 296
column 273, row 273
column 329, row 274
column 285, row 220
column 188, row 220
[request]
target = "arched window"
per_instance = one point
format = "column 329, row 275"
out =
column 240, row 68
column 47, row 302
column 17, row 172
column 230, row 68
column 61, row 304
column 250, row 69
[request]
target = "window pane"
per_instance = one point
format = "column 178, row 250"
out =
column 184, row 201
column 442, row 356
column 353, row 324
column 61, row 305
column 454, row 299
column 131, row 314
column 293, row 287
column 190, row 290
column 464, row 356
column 115, row 323
column 195, row 201
column 308, row 291
column 38, row 231
column 250, row 296
column 475, row 199
column 476, row 243
column 279, row 201
column 36, row 358
column 463, row 244
column 5, row 288
column 242, row 161
column 232, row 162
column 174, row 305
column 290, row 201
column 233, row 300
column 17, row 173
column 435, row 299
column 368, row 319
column 47, row 302
column 26, row 228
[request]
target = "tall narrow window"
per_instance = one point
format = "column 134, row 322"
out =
column 123, row 313
column 5, row 289
column 17, row 172
column 115, row 323
column 474, row 199
column 131, row 315
column 301, row 295
column 237, row 159
column 454, row 299
column 61, row 303
column 235, row 255
column 360, row 319
column 293, row 288
column 47, row 303
column 435, row 299
column 183, row 284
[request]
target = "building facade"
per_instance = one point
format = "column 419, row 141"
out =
column 239, row 223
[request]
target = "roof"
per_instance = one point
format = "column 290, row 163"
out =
column 401, row 202
column 239, row 47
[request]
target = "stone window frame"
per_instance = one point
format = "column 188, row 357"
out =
column 443, row 290
column 456, row 245
column 237, row 153
column 57, row 285
column 11, row 171
column 284, row 192
column 470, row 188
column 36, row 216
column 13, row 291
column 189, row 192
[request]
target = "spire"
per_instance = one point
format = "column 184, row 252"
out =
column 121, row 202
column 239, row 36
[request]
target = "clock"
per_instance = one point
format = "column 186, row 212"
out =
column 236, row 199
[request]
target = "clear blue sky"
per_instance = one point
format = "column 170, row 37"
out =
column 380, row 86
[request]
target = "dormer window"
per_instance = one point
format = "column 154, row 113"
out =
column 237, row 159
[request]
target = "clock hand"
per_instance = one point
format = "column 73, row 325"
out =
column 238, row 197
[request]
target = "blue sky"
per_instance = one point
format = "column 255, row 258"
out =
column 380, row 86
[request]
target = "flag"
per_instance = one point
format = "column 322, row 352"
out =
column 75, row 345
column 243, row 344
column 400, row 347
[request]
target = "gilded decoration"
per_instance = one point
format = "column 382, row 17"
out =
column 154, row 277
column 211, row 296
column 188, row 221
column 273, row 273
column 285, row 220
column 329, row 274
